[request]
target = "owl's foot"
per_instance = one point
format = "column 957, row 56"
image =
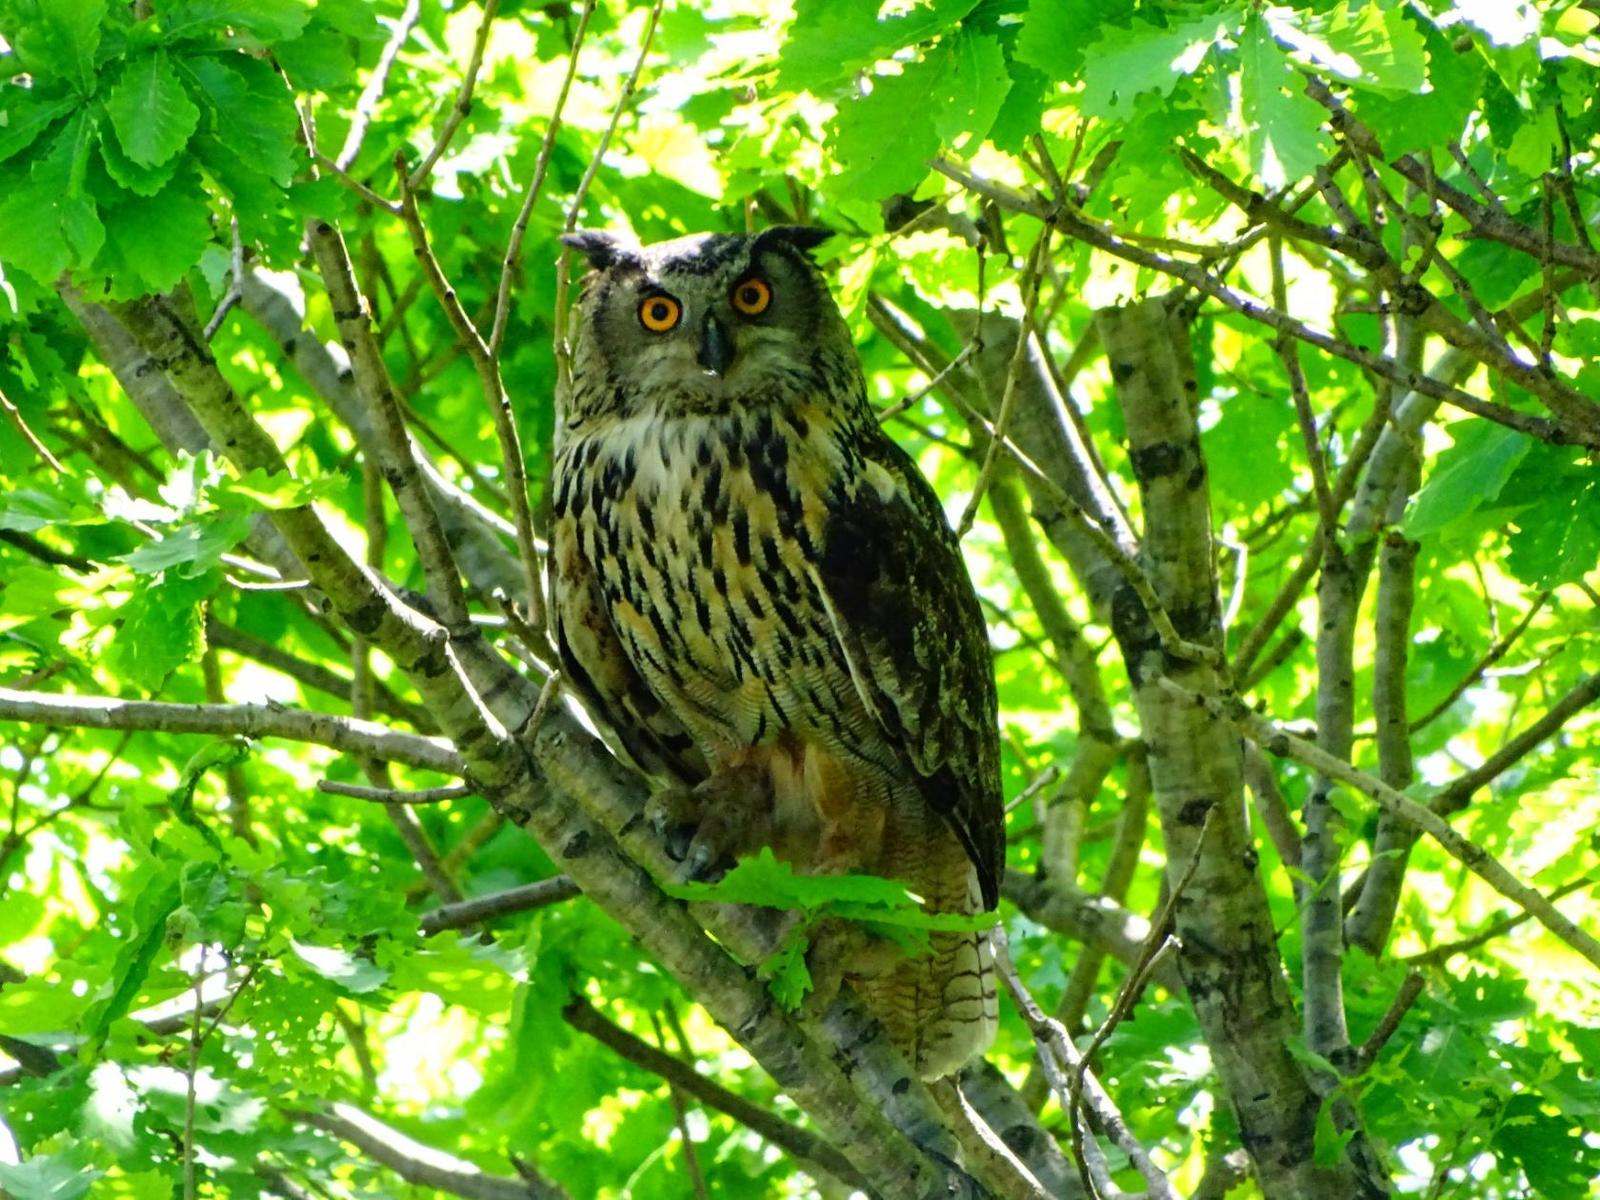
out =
column 708, row 826
column 841, row 950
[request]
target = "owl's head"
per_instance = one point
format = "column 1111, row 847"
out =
column 704, row 323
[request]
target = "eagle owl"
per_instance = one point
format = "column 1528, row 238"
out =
column 758, row 590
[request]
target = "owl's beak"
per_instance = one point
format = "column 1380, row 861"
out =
column 716, row 350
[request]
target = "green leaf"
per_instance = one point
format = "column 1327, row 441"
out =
column 27, row 115
column 1549, row 1149
column 274, row 490
column 830, row 40
column 1328, row 1146
column 339, row 967
column 65, row 1175
column 886, row 138
column 317, row 60
column 1467, row 476
column 1125, row 62
column 1243, row 451
column 153, row 241
column 197, row 545
column 155, row 903
column 954, row 93
column 1055, row 32
column 972, row 71
column 1282, row 125
column 49, row 223
column 254, row 111
column 267, row 21
column 1371, row 46
column 55, row 37
column 1022, row 110
column 786, row 973
column 1557, row 539
column 144, row 181
column 765, row 880
column 1420, row 119
column 163, row 627
column 150, row 109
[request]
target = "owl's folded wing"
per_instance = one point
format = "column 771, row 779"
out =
column 904, row 612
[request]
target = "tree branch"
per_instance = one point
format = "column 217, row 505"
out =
column 345, row 734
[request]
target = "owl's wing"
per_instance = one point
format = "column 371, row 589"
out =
column 598, row 668
column 904, row 612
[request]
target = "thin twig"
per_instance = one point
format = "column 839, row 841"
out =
column 563, row 351
column 1008, row 398
column 16, row 418
column 367, row 105
column 508, row 266
column 463, row 102
column 394, row 795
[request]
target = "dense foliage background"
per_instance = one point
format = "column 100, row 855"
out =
column 1371, row 228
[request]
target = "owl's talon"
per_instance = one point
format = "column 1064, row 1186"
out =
column 706, row 828
column 674, row 813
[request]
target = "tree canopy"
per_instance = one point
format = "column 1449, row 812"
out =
column 1254, row 351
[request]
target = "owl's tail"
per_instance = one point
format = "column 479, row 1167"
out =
column 940, row 1009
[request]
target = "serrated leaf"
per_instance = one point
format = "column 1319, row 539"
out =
column 1467, row 476
column 265, row 20
column 197, row 546
column 156, row 901
column 1418, row 119
column 886, row 138
column 261, row 489
column 766, row 880
column 973, row 74
column 1557, row 540
column 163, row 627
column 830, row 40
column 50, row 223
column 254, row 111
column 26, row 116
column 341, row 968
column 56, row 37
column 1282, row 125
column 1055, row 32
column 153, row 241
column 318, row 60
column 65, row 1175
column 1125, row 62
column 150, row 109
column 787, row 976
column 143, row 181
column 1372, row 47
column 1329, row 1142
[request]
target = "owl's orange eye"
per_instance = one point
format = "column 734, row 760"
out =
column 752, row 296
column 659, row 313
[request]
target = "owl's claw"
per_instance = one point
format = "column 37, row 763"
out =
column 673, row 813
column 706, row 828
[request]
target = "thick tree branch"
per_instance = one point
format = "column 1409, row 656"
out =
column 1278, row 741
column 1229, row 958
column 811, row 1151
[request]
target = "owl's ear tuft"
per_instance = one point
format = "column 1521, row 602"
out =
column 601, row 249
column 804, row 238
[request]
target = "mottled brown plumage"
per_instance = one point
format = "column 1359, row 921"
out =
column 758, row 591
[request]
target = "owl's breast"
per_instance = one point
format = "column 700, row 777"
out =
column 704, row 532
